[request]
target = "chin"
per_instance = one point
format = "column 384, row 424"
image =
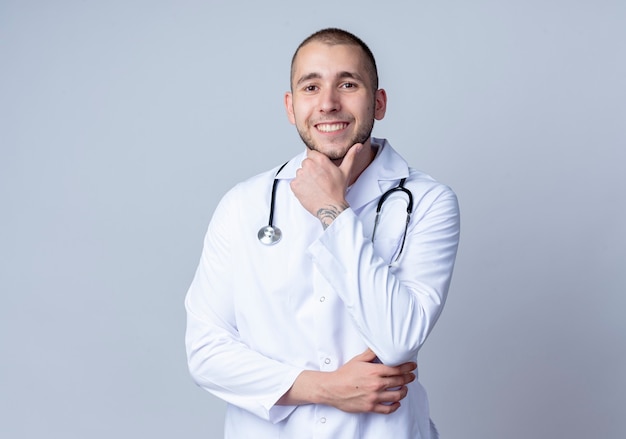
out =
column 333, row 153
column 333, row 150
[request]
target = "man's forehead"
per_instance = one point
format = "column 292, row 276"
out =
column 314, row 55
column 321, row 48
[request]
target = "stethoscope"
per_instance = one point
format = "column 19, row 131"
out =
column 270, row 234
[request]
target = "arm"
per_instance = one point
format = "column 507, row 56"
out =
column 394, row 308
column 321, row 186
column 222, row 364
column 218, row 360
column 358, row 386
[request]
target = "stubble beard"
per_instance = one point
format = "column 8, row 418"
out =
column 361, row 136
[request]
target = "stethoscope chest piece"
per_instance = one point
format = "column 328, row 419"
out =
column 269, row 235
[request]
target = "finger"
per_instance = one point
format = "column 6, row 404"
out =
column 395, row 395
column 348, row 159
column 306, row 162
column 407, row 367
column 389, row 371
column 368, row 355
column 316, row 156
column 386, row 409
column 397, row 381
column 401, row 369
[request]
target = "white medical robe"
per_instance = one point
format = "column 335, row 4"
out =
column 258, row 315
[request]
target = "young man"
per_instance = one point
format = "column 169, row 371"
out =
column 316, row 335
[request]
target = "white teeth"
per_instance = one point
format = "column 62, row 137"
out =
column 330, row 127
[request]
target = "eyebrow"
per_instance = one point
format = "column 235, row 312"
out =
column 340, row 75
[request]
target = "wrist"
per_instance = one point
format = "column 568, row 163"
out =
column 306, row 389
column 330, row 212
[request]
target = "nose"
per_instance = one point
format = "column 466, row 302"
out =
column 329, row 100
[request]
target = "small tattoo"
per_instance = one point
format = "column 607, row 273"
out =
column 329, row 213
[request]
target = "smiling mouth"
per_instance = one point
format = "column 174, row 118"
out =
column 331, row 127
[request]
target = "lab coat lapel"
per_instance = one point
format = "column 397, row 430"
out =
column 383, row 173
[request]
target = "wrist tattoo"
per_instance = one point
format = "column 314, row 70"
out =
column 327, row 214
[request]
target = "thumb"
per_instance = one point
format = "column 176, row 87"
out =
column 368, row 356
column 348, row 159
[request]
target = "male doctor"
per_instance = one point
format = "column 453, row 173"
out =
column 317, row 335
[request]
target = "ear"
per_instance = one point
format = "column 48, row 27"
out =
column 289, row 107
column 381, row 104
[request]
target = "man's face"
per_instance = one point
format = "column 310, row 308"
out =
column 332, row 102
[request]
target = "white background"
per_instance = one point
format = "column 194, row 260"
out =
column 123, row 122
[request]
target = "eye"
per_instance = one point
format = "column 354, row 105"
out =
column 348, row 85
column 310, row 88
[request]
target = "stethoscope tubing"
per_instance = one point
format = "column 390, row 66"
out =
column 409, row 210
column 270, row 234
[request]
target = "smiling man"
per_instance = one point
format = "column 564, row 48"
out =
column 334, row 100
column 313, row 330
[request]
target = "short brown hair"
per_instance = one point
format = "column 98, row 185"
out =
column 332, row 36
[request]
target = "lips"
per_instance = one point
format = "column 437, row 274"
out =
column 331, row 127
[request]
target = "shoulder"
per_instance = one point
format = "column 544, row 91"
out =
column 424, row 182
column 253, row 195
column 394, row 166
column 246, row 204
column 432, row 199
column 254, row 186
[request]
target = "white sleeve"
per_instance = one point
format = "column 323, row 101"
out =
column 394, row 308
column 218, row 360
